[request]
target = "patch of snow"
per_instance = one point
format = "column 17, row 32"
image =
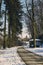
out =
column 10, row 56
column 38, row 51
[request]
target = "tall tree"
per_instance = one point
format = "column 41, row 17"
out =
column 14, row 14
column 4, row 43
column 30, row 14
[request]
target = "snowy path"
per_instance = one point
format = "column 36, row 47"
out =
column 10, row 57
column 29, row 57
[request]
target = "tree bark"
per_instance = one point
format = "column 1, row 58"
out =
column 33, row 21
column 4, row 31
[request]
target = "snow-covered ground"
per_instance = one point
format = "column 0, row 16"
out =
column 38, row 51
column 10, row 56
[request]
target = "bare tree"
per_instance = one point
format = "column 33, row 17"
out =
column 30, row 14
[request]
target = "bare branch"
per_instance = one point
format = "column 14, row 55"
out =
column 27, row 8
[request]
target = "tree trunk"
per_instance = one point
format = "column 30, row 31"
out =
column 33, row 22
column 9, row 34
column 34, row 34
column 4, row 30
